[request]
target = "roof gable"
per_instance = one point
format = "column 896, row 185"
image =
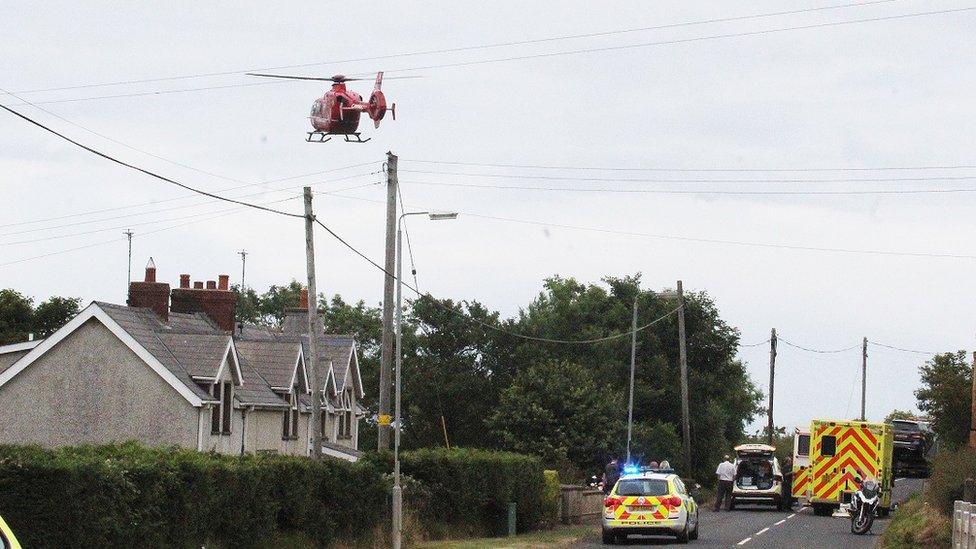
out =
column 177, row 379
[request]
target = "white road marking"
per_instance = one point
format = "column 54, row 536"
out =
column 743, row 542
column 764, row 530
column 781, row 522
column 791, row 516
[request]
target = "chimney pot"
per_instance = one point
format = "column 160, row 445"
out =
column 184, row 281
column 211, row 284
column 223, row 282
column 303, row 299
column 198, row 285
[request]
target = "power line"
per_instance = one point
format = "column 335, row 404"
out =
column 145, row 171
column 892, row 347
column 115, row 240
column 700, row 239
column 819, row 351
column 150, row 212
column 484, row 324
column 711, row 169
column 463, row 48
column 683, row 40
column 754, row 344
column 406, row 232
column 685, row 180
column 695, row 192
column 185, row 197
column 571, row 52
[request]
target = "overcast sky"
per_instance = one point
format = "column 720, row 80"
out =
column 895, row 92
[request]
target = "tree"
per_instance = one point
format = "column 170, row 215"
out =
column 559, row 411
column 248, row 305
column 19, row 317
column 899, row 414
column 16, row 313
column 455, row 367
column 722, row 397
column 54, row 313
column 946, row 395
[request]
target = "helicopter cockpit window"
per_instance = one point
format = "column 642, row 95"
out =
column 315, row 108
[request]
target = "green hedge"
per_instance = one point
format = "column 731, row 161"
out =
column 469, row 490
column 131, row 496
column 949, row 473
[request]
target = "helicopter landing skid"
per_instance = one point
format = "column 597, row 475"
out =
column 318, row 137
column 322, row 137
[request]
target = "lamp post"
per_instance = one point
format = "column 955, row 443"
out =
column 397, row 489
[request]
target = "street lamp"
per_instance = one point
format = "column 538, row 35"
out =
column 397, row 489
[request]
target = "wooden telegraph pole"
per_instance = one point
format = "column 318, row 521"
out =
column 313, row 327
column 864, row 375
column 772, row 384
column 386, row 354
column 972, row 425
column 683, row 356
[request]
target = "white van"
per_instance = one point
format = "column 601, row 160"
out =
column 758, row 478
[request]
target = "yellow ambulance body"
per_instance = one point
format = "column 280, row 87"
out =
column 843, row 452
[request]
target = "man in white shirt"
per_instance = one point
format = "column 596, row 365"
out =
column 726, row 475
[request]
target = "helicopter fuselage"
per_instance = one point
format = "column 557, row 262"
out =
column 337, row 112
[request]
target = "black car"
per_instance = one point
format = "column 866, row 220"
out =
column 913, row 441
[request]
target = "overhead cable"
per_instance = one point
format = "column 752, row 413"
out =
column 485, row 324
column 892, row 347
column 145, row 171
column 710, row 169
column 575, row 51
column 819, row 351
column 685, row 180
column 465, row 48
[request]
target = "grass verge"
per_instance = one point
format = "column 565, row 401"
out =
column 917, row 524
column 557, row 537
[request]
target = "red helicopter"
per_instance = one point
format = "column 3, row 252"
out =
column 337, row 112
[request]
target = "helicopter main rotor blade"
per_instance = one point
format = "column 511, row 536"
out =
column 287, row 77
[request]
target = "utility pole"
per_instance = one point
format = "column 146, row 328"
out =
column 633, row 359
column 128, row 278
column 243, row 254
column 772, row 384
column 972, row 424
column 386, row 354
column 313, row 327
column 864, row 375
column 683, row 355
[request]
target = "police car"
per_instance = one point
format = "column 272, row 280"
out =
column 7, row 539
column 649, row 502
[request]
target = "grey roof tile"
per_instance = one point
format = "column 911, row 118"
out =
column 200, row 354
column 273, row 359
column 143, row 325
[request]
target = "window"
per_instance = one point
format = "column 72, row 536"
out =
column 226, row 404
column 803, row 445
column 643, row 487
column 345, row 416
column 289, row 422
column 679, row 486
column 828, row 445
column 323, row 420
column 215, row 412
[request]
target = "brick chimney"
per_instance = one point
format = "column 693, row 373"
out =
column 215, row 301
column 151, row 294
column 295, row 320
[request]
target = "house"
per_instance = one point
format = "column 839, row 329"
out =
column 173, row 368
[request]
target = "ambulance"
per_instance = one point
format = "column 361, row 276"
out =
column 801, row 465
column 841, row 454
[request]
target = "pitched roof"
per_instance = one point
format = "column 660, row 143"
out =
column 200, row 354
column 145, row 327
column 256, row 391
column 338, row 349
column 274, row 359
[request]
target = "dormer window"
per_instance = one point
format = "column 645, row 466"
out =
column 220, row 413
column 289, row 423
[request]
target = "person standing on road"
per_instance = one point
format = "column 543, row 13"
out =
column 787, row 485
column 725, row 474
column 611, row 474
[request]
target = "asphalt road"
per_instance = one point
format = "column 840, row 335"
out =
column 757, row 527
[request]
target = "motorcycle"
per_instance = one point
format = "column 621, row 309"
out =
column 864, row 503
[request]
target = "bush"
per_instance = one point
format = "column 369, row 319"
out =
column 949, row 473
column 128, row 496
column 917, row 524
column 550, row 499
column 467, row 492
